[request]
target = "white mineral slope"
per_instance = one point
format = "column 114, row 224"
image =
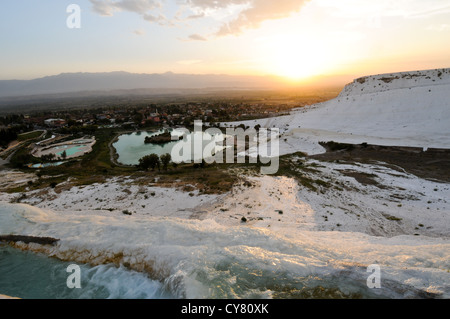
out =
column 116, row 196
column 399, row 109
column 201, row 258
column 199, row 246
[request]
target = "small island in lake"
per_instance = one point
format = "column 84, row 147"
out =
column 163, row 138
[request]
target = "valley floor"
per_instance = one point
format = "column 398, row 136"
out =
column 374, row 198
column 365, row 211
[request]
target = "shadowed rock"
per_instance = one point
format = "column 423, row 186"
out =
column 29, row 239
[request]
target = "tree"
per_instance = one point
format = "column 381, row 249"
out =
column 64, row 155
column 165, row 160
column 21, row 160
column 187, row 121
column 138, row 117
column 48, row 157
column 149, row 161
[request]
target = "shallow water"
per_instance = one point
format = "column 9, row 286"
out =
column 131, row 147
column 45, row 165
column 70, row 149
column 160, row 257
column 30, row 275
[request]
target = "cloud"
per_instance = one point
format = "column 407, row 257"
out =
column 235, row 15
column 190, row 17
column 251, row 14
column 108, row 7
column 160, row 19
column 429, row 12
column 439, row 28
column 384, row 8
column 149, row 10
column 138, row 6
column 215, row 4
column 258, row 12
column 196, row 37
column 103, row 8
column 139, row 32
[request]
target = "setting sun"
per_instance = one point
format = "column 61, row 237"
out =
column 296, row 63
column 297, row 58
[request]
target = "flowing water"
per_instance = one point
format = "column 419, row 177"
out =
column 143, row 257
column 32, row 275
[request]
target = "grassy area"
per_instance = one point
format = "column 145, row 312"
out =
column 97, row 167
column 293, row 166
column 22, row 156
column 211, row 179
column 29, row 135
column 91, row 168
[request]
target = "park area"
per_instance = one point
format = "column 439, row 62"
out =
column 65, row 150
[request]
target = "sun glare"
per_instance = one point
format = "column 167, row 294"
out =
column 297, row 60
column 297, row 55
column 297, row 65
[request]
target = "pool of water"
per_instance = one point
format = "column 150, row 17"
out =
column 131, row 147
column 30, row 275
column 45, row 165
column 70, row 149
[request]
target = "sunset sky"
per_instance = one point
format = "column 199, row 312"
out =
column 291, row 38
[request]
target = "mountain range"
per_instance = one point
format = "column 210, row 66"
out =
column 112, row 81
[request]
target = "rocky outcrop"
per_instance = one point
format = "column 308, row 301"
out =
column 29, row 239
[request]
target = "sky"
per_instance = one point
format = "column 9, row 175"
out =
column 295, row 39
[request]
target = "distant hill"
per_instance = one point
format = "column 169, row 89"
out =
column 113, row 81
column 77, row 82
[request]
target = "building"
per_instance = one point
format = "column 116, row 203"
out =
column 54, row 122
